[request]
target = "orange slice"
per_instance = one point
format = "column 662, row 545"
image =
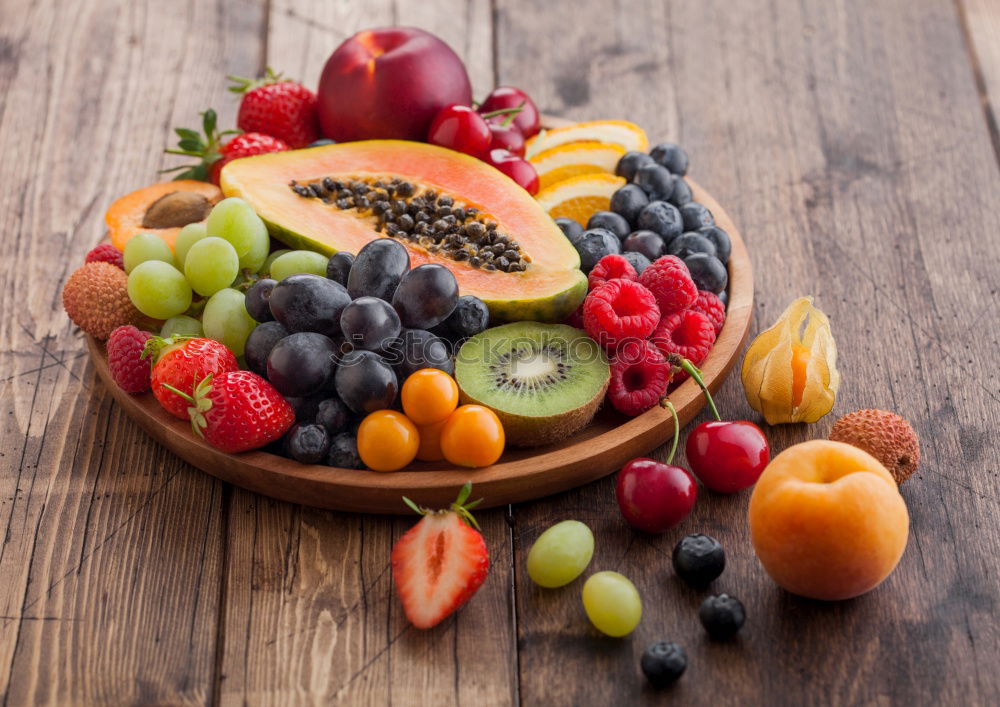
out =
column 573, row 159
column 580, row 197
column 615, row 132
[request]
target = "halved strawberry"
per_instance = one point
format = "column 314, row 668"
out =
column 440, row 562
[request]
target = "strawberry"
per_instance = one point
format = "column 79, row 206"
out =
column 440, row 562
column 237, row 411
column 184, row 364
column 213, row 153
column 274, row 106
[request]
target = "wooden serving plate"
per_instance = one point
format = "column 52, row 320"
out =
column 520, row 475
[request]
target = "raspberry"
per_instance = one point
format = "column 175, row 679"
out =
column 130, row 371
column 105, row 253
column 611, row 267
column 670, row 282
column 687, row 333
column 711, row 306
column 639, row 377
column 619, row 310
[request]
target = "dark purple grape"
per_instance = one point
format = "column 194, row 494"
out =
column 369, row 323
column 630, row 162
column 646, row 242
column 365, row 382
column 615, row 223
column 629, row 201
column 689, row 243
column 471, row 316
column 416, row 349
column 339, row 267
column 639, row 261
column 570, row 228
column 309, row 303
column 695, row 216
column 302, row 363
column 671, row 156
column 594, row 245
column 307, row 444
column 259, row 344
column 344, row 452
column 305, row 407
column 708, row 272
column 257, row 299
column 333, row 415
column 661, row 218
column 377, row 269
column 723, row 297
column 719, row 238
column 682, row 192
column 655, row 180
column 426, row 296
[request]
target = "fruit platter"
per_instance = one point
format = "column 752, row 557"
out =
column 344, row 302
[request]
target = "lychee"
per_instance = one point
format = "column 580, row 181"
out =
column 96, row 299
column 883, row 434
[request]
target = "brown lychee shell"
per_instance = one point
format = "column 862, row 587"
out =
column 96, row 299
column 883, row 434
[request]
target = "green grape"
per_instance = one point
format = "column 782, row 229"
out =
column 189, row 235
column 560, row 554
column 298, row 262
column 254, row 258
column 235, row 221
column 211, row 265
column 146, row 246
column 265, row 269
column 158, row 289
column 181, row 325
column 612, row 603
column 226, row 320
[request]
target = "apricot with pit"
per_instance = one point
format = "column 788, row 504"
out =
column 827, row 521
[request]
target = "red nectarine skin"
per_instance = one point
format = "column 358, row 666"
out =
column 827, row 521
column 389, row 83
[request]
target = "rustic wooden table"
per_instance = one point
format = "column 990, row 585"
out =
column 856, row 145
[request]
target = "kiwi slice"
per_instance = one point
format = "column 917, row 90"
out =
column 544, row 381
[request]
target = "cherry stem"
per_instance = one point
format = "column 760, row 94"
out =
column 695, row 373
column 511, row 112
column 677, row 428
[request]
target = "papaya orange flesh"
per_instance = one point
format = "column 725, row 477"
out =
column 127, row 215
column 549, row 288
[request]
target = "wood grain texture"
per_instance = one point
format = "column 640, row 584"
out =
column 982, row 30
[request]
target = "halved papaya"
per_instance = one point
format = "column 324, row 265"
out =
column 162, row 209
column 444, row 206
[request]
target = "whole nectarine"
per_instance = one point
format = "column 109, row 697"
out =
column 827, row 521
column 389, row 83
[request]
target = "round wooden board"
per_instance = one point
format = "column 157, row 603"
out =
column 520, row 475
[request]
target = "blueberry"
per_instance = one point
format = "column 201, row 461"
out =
column 630, row 162
column 723, row 246
column 689, row 243
column 377, row 269
column 366, row 382
column 333, row 415
column 256, row 299
column 302, row 363
column 682, row 192
column 570, row 228
column 615, row 223
column 722, row 616
column 344, row 452
column 309, row 303
column 426, row 296
column 646, row 242
column 708, row 272
column 639, row 261
column 470, row 317
column 322, row 141
column 696, row 216
column 629, row 201
column 663, row 663
column 259, row 344
column 662, row 218
column 698, row 559
column 594, row 245
column 723, row 297
column 655, row 180
column 305, row 408
column 369, row 323
column 416, row 349
column 671, row 156
column 307, row 444
column 339, row 267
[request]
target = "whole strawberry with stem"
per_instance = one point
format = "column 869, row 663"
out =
column 181, row 362
column 237, row 411
column 278, row 107
column 214, row 154
column 440, row 562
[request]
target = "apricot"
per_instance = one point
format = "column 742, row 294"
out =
column 827, row 521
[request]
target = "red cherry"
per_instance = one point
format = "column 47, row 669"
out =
column 514, row 167
column 506, row 137
column 727, row 456
column 504, row 97
column 460, row 128
column 654, row 497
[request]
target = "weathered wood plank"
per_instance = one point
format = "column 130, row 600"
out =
column 982, row 27
column 311, row 612
column 835, row 134
column 111, row 560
